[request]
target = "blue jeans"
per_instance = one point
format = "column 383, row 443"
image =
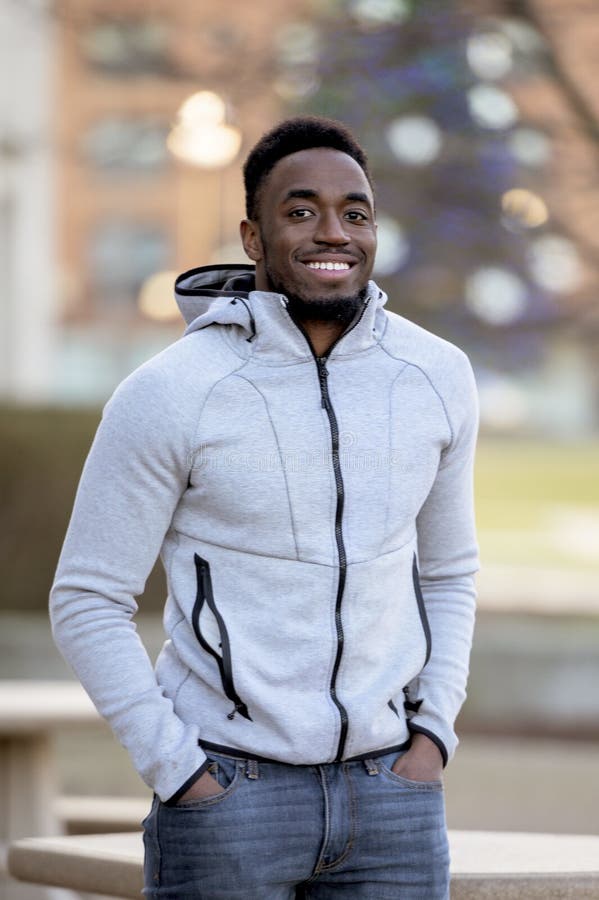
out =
column 277, row 832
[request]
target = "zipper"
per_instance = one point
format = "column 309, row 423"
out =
column 393, row 707
column 326, row 402
column 205, row 595
column 323, row 374
column 421, row 609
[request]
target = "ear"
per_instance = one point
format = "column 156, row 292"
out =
column 251, row 239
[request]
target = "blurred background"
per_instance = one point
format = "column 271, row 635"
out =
column 123, row 126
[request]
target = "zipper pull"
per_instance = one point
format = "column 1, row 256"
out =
column 239, row 707
column 322, row 374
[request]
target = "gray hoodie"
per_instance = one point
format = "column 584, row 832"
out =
column 315, row 522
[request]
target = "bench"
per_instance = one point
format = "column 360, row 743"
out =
column 98, row 815
column 486, row 865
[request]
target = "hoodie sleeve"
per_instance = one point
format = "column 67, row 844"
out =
column 448, row 560
column 135, row 473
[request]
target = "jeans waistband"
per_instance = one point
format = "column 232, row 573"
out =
column 253, row 760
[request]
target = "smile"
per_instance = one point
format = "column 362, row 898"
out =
column 329, row 266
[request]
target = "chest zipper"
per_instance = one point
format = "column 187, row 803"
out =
column 326, row 403
column 323, row 374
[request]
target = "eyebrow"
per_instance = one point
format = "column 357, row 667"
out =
column 309, row 194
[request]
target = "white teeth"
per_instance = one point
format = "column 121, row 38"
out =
column 329, row 266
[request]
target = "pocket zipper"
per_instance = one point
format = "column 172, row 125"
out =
column 205, row 595
column 421, row 609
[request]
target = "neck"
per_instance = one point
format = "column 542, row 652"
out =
column 322, row 334
column 324, row 323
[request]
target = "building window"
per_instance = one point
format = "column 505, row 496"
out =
column 118, row 145
column 121, row 255
column 128, row 47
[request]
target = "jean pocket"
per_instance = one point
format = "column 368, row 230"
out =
column 228, row 773
column 385, row 767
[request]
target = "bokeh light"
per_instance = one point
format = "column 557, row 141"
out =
column 554, row 263
column 415, row 140
column 201, row 136
column 375, row 13
column 296, row 85
column 203, row 108
column 490, row 107
column 496, row 295
column 529, row 146
column 297, row 49
column 523, row 36
column 297, row 43
column 523, row 209
column 489, row 55
column 156, row 298
column 392, row 249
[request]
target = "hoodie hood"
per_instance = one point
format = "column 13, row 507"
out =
column 226, row 295
column 204, row 296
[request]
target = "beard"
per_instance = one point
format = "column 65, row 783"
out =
column 340, row 308
column 326, row 309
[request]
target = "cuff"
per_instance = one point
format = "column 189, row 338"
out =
column 185, row 787
column 418, row 729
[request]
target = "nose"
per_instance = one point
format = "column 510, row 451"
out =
column 331, row 229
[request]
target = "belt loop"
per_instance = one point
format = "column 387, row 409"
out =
column 371, row 767
column 252, row 769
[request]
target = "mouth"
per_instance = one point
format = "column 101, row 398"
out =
column 329, row 269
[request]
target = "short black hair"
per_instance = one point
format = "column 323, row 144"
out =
column 291, row 136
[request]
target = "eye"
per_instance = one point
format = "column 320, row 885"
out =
column 356, row 215
column 301, row 213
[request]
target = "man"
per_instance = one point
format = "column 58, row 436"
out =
column 302, row 460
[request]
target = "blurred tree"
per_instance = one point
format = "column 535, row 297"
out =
column 433, row 90
column 482, row 124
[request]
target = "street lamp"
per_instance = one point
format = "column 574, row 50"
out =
column 201, row 136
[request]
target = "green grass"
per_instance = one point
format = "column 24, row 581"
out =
column 538, row 503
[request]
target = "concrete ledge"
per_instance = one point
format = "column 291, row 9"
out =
column 525, row 887
column 486, row 865
column 102, row 864
column 100, row 815
column 111, row 865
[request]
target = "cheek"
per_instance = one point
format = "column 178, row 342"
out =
column 371, row 242
column 370, row 250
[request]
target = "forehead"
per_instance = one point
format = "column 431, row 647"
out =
column 322, row 169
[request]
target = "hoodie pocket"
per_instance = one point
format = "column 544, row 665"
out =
column 421, row 609
column 223, row 660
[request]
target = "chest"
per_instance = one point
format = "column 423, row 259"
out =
column 274, row 458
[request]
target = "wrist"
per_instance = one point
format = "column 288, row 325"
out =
column 426, row 749
column 416, row 728
column 422, row 762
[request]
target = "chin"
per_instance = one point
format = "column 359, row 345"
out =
column 327, row 309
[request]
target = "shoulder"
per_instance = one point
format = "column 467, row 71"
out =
column 439, row 359
column 445, row 366
column 172, row 385
column 195, row 361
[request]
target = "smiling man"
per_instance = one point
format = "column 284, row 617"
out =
column 302, row 461
column 314, row 238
